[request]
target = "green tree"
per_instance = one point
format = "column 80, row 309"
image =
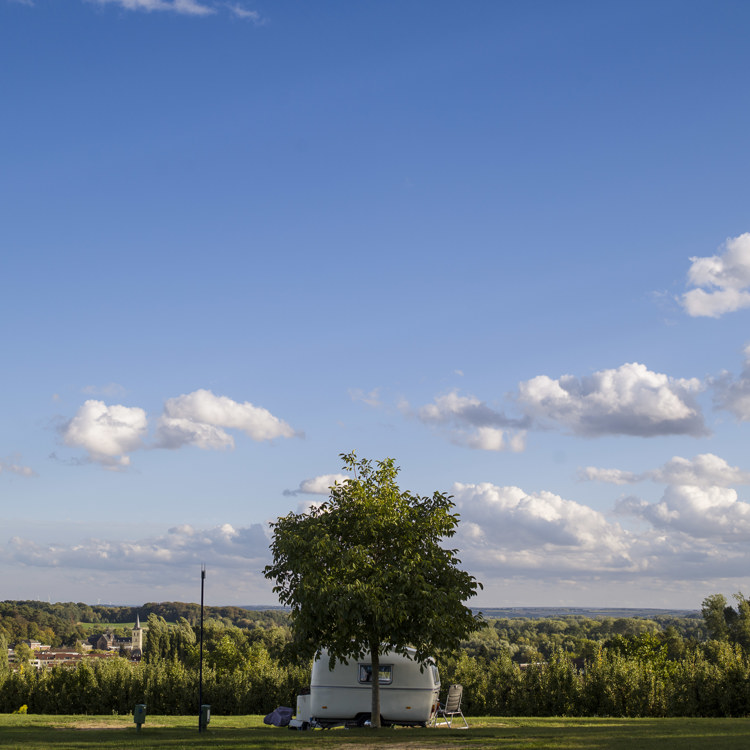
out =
column 365, row 571
column 714, row 614
column 23, row 654
column 4, row 666
column 740, row 629
column 156, row 646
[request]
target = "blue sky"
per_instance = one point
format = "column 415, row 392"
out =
column 506, row 243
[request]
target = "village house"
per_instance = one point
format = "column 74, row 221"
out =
column 44, row 656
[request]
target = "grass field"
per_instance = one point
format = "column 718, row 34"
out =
column 32, row 732
column 100, row 627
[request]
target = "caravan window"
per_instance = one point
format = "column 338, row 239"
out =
column 384, row 678
column 435, row 674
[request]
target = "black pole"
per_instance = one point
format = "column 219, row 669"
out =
column 200, row 668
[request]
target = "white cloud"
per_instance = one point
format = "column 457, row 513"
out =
column 699, row 512
column 734, row 395
column 472, row 422
column 371, row 399
column 493, row 439
column 185, row 7
column 222, row 546
column 13, row 467
column 319, row 485
column 249, row 15
column 699, row 303
column 705, row 470
column 507, row 538
column 507, row 529
column 611, row 476
column 177, row 432
column 698, row 502
column 721, row 281
column 107, row 433
column 631, row 400
column 200, row 418
column 692, row 534
column 699, row 522
column 182, row 7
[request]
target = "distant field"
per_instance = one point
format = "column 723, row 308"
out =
column 106, row 625
column 32, row 732
column 540, row 613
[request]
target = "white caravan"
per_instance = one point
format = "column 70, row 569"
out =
column 343, row 695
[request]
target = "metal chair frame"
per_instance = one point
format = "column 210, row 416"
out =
column 451, row 708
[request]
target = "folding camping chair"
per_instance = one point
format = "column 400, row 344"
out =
column 451, row 708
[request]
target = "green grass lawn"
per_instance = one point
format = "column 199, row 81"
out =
column 32, row 732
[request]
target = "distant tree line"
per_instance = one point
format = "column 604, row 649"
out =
column 59, row 624
column 574, row 666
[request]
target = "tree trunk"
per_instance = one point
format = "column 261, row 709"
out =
column 375, row 687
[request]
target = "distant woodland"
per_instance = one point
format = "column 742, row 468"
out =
column 667, row 665
column 61, row 624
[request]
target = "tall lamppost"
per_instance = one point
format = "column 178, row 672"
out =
column 201, row 726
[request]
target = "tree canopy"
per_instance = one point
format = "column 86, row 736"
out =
column 725, row 622
column 366, row 571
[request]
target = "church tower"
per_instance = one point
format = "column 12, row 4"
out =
column 136, row 640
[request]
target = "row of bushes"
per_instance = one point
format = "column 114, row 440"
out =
column 711, row 680
column 116, row 686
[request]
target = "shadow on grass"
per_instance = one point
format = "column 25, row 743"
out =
column 246, row 733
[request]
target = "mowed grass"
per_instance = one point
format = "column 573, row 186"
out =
column 32, row 732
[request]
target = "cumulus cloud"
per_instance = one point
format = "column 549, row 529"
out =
column 201, row 418
column 472, row 422
column 175, row 433
column 494, row 439
column 12, row 466
column 722, row 281
column 506, row 535
column 699, row 506
column 699, row 502
column 222, row 546
column 506, row 528
column 184, row 7
column 452, row 408
column 700, row 512
column 319, row 485
column 705, row 470
column 107, row 433
column 692, row 533
column 629, row 400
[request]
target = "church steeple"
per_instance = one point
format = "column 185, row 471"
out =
column 136, row 639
